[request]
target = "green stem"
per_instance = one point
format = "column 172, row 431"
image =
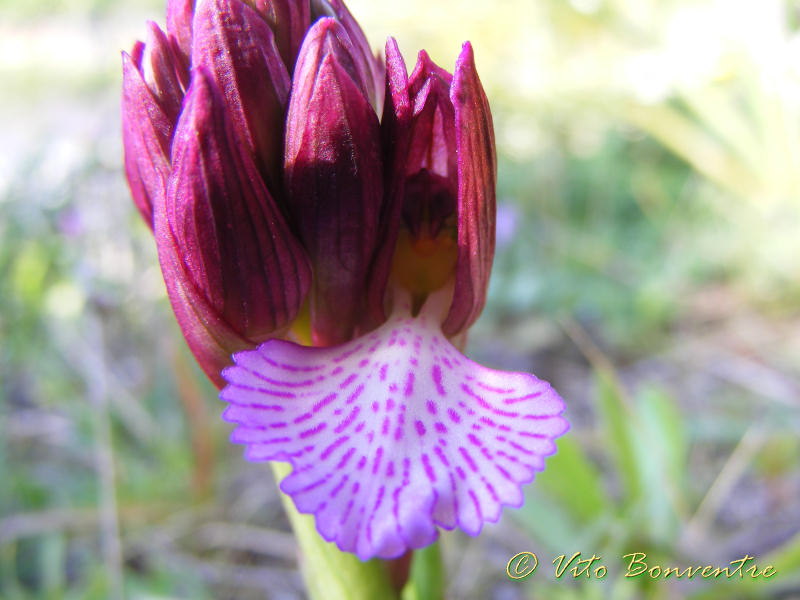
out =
column 426, row 580
column 329, row 573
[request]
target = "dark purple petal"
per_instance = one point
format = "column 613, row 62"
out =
column 395, row 127
column 179, row 24
column 431, row 164
column 146, row 138
column 333, row 175
column 136, row 54
column 393, row 434
column 234, row 272
column 289, row 20
column 477, row 179
column 237, row 47
column 372, row 69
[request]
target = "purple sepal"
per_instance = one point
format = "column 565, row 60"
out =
column 179, row 24
column 161, row 71
column 289, row 20
column 146, row 136
column 477, row 182
column 393, row 434
column 333, row 177
column 235, row 274
column 237, row 47
column 372, row 67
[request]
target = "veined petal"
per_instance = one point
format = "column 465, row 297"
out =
column 238, row 49
column 393, row 434
column 477, row 185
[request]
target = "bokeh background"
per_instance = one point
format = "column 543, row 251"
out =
column 648, row 265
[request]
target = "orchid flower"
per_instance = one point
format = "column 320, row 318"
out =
column 329, row 220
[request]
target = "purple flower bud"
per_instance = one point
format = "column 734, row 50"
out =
column 235, row 274
column 333, row 176
column 238, row 49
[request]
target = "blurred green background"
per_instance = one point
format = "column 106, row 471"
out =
column 648, row 266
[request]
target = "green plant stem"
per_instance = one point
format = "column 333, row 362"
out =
column 329, row 573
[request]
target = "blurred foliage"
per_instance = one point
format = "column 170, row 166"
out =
column 647, row 266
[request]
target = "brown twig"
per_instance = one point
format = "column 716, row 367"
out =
column 194, row 408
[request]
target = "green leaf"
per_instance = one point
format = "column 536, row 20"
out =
column 547, row 522
column 572, row 479
column 664, row 422
column 619, row 430
column 785, row 559
column 660, row 455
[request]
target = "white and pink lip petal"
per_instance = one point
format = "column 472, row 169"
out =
column 393, row 434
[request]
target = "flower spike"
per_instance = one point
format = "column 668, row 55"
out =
column 393, row 434
column 283, row 209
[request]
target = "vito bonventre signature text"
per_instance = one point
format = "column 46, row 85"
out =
column 635, row 564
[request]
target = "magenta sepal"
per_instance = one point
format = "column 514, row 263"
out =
column 179, row 25
column 161, row 71
column 333, row 177
column 394, row 434
column 146, row 137
column 477, row 185
column 372, row 67
column 237, row 47
column 235, row 274
column 289, row 20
